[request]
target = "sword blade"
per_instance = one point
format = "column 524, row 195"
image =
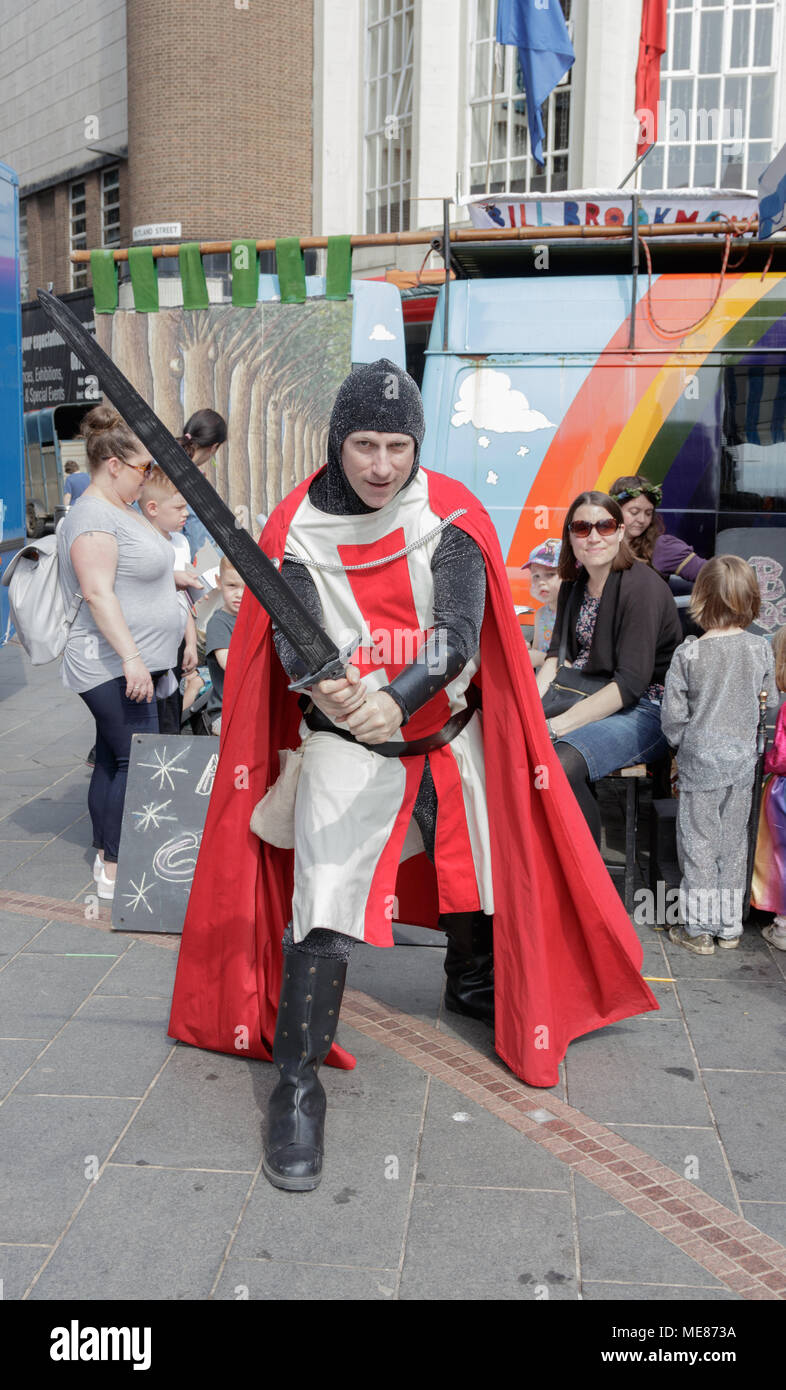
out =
column 310, row 641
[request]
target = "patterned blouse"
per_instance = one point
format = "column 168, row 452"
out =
column 585, row 629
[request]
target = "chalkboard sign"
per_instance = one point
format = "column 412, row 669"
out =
column 170, row 778
column 764, row 547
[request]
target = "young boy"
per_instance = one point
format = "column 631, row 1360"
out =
column 167, row 509
column 544, row 582
column 218, row 636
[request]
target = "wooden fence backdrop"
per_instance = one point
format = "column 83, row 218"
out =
column 272, row 371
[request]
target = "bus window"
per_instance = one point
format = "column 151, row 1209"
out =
column 753, row 454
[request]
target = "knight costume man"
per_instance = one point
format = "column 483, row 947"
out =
column 428, row 790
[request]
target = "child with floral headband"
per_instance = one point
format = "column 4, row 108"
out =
column 645, row 532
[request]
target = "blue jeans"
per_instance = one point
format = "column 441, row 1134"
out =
column 117, row 718
column 631, row 736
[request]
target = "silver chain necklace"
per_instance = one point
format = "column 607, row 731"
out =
column 386, row 559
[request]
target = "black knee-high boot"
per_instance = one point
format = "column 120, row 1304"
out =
column 311, row 993
column 469, row 964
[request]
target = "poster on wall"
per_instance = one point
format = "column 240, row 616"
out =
column 272, row 371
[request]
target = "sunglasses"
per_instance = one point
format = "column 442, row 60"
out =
column 583, row 529
column 144, row 468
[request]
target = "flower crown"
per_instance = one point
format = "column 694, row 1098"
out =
column 651, row 490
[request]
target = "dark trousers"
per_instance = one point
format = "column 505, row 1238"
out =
column 117, row 718
column 170, row 709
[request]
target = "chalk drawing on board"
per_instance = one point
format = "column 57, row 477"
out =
column 139, row 895
column 205, row 784
column 173, row 863
column 164, row 768
column 152, row 815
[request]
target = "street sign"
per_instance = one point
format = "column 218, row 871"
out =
column 157, row 231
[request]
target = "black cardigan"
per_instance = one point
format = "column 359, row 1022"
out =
column 636, row 630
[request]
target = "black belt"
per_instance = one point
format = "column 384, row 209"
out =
column 319, row 723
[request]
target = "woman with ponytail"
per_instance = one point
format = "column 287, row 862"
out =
column 205, row 431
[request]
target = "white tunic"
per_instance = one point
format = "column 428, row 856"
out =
column 353, row 809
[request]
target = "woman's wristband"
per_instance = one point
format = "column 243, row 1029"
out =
column 133, row 657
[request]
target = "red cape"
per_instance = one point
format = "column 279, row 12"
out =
column 567, row 959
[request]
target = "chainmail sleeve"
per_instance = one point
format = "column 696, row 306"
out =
column 459, row 573
column 299, row 579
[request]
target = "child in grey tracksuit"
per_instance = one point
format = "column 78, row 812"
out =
column 710, row 715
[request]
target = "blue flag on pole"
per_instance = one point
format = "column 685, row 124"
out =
column 538, row 30
column 772, row 197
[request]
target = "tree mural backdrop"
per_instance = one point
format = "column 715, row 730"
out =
column 272, row 371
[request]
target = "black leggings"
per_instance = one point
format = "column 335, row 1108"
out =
column 577, row 773
column 117, row 718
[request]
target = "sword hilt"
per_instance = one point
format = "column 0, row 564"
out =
column 331, row 671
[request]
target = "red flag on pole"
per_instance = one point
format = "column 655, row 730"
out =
column 652, row 46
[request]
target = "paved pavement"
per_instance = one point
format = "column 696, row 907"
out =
column 131, row 1165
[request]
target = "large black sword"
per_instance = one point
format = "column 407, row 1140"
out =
column 322, row 658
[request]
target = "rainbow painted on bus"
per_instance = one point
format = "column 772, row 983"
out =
column 539, row 396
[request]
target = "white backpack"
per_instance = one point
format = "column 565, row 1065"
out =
column 36, row 604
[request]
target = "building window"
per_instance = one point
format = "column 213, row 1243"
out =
column 388, row 114
column 78, row 233
column 499, row 152
column 718, row 95
column 110, row 207
column 24, row 272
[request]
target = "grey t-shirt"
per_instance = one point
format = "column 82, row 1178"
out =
column 218, row 635
column 710, row 710
column 145, row 588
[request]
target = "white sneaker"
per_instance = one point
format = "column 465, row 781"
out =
column 775, row 933
column 106, row 886
column 98, row 867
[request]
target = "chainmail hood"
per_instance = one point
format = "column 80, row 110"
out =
column 376, row 396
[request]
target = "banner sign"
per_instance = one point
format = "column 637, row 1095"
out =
column 606, row 209
column 51, row 373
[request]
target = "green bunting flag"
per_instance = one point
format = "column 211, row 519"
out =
column 291, row 270
column 103, row 268
column 192, row 276
column 339, row 267
column 245, row 274
column 144, row 281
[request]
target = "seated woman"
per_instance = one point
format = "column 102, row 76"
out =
column 619, row 622
column 646, row 534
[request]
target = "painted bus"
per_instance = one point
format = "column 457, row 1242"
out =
column 547, row 384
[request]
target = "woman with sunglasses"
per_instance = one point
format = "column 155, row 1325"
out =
column 128, row 626
column 616, row 620
column 645, row 532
